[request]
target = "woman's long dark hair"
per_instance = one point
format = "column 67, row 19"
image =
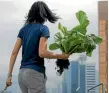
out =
column 39, row 13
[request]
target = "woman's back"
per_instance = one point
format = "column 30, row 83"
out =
column 30, row 35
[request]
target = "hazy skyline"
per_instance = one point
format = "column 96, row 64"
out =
column 12, row 18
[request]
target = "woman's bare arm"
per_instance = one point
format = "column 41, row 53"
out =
column 46, row 54
column 14, row 55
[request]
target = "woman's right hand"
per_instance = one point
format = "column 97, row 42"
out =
column 65, row 56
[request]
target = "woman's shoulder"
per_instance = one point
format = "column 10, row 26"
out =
column 44, row 26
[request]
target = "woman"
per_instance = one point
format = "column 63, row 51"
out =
column 33, row 39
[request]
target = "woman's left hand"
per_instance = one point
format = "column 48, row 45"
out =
column 8, row 82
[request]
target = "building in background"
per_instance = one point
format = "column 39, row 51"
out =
column 90, row 77
column 66, row 81
column 74, row 79
column 71, row 78
column 48, row 90
column 55, row 89
column 75, row 76
column 59, row 88
column 82, row 61
column 82, row 78
column 103, row 49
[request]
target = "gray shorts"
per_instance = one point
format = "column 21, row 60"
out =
column 31, row 81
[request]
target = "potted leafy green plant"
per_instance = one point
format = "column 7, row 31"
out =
column 75, row 40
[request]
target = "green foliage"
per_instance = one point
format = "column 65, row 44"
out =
column 54, row 46
column 76, row 40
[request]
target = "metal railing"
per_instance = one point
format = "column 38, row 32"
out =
column 103, row 89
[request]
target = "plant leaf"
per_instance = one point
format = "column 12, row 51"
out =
column 82, row 18
column 89, row 54
column 96, row 39
column 62, row 28
column 80, row 29
column 53, row 46
column 84, row 22
column 58, row 36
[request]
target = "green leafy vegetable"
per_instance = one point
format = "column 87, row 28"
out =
column 76, row 40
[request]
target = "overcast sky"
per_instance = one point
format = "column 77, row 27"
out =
column 12, row 13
